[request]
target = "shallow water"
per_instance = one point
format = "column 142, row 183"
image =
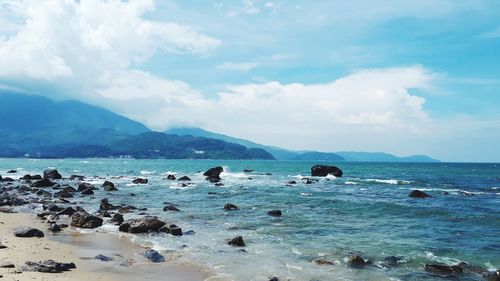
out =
column 365, row 212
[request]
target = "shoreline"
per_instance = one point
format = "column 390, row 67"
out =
column 70, row 245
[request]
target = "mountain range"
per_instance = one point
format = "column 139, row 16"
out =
column 40, row 127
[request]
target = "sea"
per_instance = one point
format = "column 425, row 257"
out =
column 366, row 212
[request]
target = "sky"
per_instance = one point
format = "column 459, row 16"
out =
column 404, row 77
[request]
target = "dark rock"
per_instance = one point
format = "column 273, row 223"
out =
column 124, row 227
column 87, row 191
column 154, row 256
column 63, row 194
column 7, row 179
column 85, row 220
column 446, row 193
column 274, row 278
column 85, row 185
column 213, row 174
column 117, row 219
column 68, row 211
column 184, row 178
column 43, row 193
column 248, row 170
column 48, row 266
column 11, row 172
column 391, row 261
column 219, row 184
column 466, row 193
column 54, row 227
column 446, row 270
column 109, row 186
column 275, row 213
column 104, row 214
column 171, row 208
column 292, row 182
column 51, row 174
column 145, row 224
column 103, row 258
column 269, row 174
column 323, row 171
column 357, row 261
column 237, row 241
column 52, row 207
column 105, row 205
column 2, row 247
column 7, row 210
column 493, row 276
column 77, row 178
column 230, row 207
column 43, row 183
column 28, row 232
column 418, row 194
column 140, row 181
column 171, row 177
column 323, row 262
column 189, row 232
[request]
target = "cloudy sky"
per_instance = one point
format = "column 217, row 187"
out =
column 405, row 77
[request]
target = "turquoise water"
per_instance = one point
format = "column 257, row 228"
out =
column 366, row 212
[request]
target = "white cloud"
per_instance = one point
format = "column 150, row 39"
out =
column 60, row 38
column 239, row 66
column 492, row 34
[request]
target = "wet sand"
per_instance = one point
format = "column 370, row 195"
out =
column 71, row 246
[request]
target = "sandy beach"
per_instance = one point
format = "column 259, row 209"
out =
column 71, row 246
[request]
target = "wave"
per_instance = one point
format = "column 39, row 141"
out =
column 389, row 181
column 147, row 172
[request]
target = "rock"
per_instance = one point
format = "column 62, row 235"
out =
column 237, row 242
column 184, row 178
column 140, row 181
column 117, row 219
column 357, row 261
column 145, row 224
column 7, row 179
column 154, row 256
column 230, row 207
column 493, row 276
column 51, row 174
column 11, row 171
column 68, row 211
column 446, row 193
column 213, row 174
column 52, row 207
column 466, row 193
column 274, row 278
column 7, row 210
column 85, row 185
column 103, row 258
column 275, row 213
column 48, row 266
column 43, row 193
column 43, row 183
column 28, row 232
column 323, row 171
column 292, row 182
column 109, row 186
column 87, row 191
column 171, row 177
column 323, row 262
column 7, row 265
column 172, row 229
column 391, row 261
column 54, row 227
column 441, row 269
column 105, row 205
column 124, row 227
column 248, row 170
column 418, row 194
column 2, row 247
column 171, row 208
column 76, row 178
column 85, row 220
column 65, row 193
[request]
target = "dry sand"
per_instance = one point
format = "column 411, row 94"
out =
column 70, row 246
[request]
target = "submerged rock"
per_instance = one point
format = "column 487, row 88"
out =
column 76, row 177
column 418, row 194
column 172, row 229
column 275, row 213
column 237, row 242
column 117, row 219
column 171, row 208
column 28, row 232
column 109, row 186
column 184, row 178
column 441, row 269
column 43, row 183
column 85, row 220
column 357, row 261
column 48, row 266
column 323, row 262
column 154, row 256
column 391, row 261
column 52, row 174
column 85, row 185
column 11, row 171
column 140, row 181
column 230, row 207
column 171, row 177
column 54, row 227
column 323, row 171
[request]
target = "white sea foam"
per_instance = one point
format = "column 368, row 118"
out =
column 296, row 252
column 350, row 182
column 147, row 172
column 305, row 194
column 389, row 181
column 446, row 260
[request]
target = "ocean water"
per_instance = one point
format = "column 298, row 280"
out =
column 366, row 212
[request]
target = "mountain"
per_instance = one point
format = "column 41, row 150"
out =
column 278, row 153
column 382, row 157
column 283, row 154
column 44, row 128
column 319, row 156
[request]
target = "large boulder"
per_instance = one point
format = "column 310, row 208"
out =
column 323, row 171
column 140, row 181
column 275, row 213
column 43, row 183
column 213, row 174
column 237, row 242
column 418, row 194
column 85, row 220
column 109, row 186
column 145, row 225
column 184, row 178
column 28, row 232
column 117, row 219
column 85, row 185
column 48, row 266
column 51, row 174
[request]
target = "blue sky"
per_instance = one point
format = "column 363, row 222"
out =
column 420, row 77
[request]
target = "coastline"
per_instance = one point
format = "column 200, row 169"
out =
column 80, row 248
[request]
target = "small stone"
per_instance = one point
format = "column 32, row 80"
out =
column 103, row 258
column 237, row 241
column 7, row 265
column 230, row 207
column 28, row 232
column 275, row 213
column 154, row 256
